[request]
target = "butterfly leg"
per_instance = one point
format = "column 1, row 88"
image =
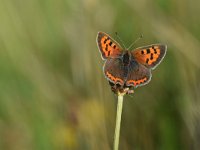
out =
column 117, row 88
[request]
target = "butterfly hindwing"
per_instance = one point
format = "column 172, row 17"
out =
column 151, row 55
column 138, row 75
column 108, row 47
column 115, row 71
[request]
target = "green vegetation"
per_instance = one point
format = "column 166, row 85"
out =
column 53, row 95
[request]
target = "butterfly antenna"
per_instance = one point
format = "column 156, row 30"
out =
column 141, row 36
column 120, row 40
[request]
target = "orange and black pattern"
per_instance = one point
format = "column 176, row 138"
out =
column 107, row 46
column 151, row 55
column 128, row 69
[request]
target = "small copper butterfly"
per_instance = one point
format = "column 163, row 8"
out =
column 128, row 69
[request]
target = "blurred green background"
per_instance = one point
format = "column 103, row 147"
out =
column 53, row 94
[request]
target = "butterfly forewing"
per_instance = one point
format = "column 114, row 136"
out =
column 108, row 47
column 151, row 55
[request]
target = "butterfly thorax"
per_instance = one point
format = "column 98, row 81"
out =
column 126, row 58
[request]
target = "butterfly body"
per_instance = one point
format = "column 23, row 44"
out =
column 126, row 69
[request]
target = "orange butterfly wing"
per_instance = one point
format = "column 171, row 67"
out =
column 108, row 47
column 151, row 55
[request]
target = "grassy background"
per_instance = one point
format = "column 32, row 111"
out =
column 53, row 94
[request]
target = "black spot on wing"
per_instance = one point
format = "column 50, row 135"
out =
column 105, row 40
column 147, row 60
column 151, row 56
column 148, row 51
column 155, row 51
column 106, row 47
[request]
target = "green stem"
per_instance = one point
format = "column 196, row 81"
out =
column 118, row 121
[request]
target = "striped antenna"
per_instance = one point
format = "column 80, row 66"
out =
column 141, row 36
column 120, row 40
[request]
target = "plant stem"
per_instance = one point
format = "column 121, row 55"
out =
column 118, row 121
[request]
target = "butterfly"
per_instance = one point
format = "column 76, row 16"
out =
column 126, row 69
